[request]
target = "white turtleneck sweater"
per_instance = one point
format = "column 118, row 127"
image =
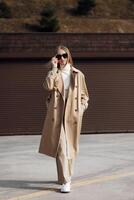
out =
column 66, row 76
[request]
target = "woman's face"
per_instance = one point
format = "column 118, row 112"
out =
column 62, row 57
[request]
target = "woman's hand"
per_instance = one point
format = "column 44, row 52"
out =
column 54, row 62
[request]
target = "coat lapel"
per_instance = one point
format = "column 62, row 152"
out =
column 74, row 73
column 73, row 80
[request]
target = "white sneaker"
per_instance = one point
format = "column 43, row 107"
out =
column 66, row 187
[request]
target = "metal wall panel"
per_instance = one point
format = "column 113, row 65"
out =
column 110, row 84
column 21, row 101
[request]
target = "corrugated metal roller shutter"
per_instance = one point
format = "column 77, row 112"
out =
column 21, row 102
column 110, row 83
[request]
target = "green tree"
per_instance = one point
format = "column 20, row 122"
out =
column 5, row 11
column 131, row 8
column 85, row 6
column 49, row 21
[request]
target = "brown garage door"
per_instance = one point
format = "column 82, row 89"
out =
column 110, row 83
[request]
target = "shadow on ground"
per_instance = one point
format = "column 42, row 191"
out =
column 30, row 185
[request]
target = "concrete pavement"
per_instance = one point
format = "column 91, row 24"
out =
column 104, row 169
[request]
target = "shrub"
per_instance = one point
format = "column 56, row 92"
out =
column 5, row 11
column 49, row 21
column 84, row 6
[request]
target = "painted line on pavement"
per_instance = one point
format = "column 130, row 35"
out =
column 102, row 179
column 31, row 195
column 75, row 185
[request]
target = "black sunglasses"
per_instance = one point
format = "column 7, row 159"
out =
column 64, row 55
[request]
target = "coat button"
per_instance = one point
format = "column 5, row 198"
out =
column 76, row 86
column 75, row 122
column 55, row 107
column 76, row 110
column 76, row 98
column 53, row 119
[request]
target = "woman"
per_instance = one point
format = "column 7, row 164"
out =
column 67, row 101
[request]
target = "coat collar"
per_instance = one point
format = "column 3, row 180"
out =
column 74, row 69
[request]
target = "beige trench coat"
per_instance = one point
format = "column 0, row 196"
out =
column 77, row 103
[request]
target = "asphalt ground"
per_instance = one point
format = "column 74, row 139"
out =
column 104, row 169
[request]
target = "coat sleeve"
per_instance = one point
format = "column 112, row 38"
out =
column 51, row 80
column 84, row 93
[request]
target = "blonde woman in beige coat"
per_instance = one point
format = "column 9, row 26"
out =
column 67, row 101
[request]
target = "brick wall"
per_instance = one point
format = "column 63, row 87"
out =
column 83, row 45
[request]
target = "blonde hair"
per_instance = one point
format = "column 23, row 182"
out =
column 70, row 60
